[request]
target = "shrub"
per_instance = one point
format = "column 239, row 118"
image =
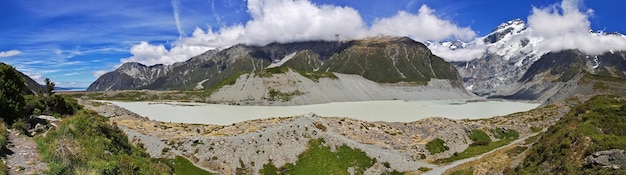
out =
column 11, row 98
column 479, row 137
column 436, row 146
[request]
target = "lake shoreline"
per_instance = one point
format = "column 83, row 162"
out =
column 388, row 111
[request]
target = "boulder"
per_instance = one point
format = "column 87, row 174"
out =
column 614, row 158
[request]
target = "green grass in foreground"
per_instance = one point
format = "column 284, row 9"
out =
column 183, row 166
column 319, row 159
column 86, row 144
column 475, row 149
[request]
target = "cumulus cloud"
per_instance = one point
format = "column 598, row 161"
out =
column 424, row 25
column 566, row 26
column 299, row 20
column 9, row 53
column 462, row 54
column 157, row 54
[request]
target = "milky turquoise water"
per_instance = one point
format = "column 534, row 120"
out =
column 390, row 111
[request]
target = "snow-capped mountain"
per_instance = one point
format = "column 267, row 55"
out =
column 507, row 54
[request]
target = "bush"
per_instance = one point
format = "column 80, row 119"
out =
column 20, row 126
column 479, row 137
column 436, row 146
column 11, row 97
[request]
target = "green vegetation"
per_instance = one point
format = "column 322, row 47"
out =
column 4, row 140
column 11, row 98
column 319, row 159
column 463, row 172
column 436, row 146
column 230, row 80
column 269, row 169
column 476, row 149
column 183, row 166
column 275, row 95
column 596, row 125
column 535, row 129
column 394, row 172
column 589, row 77
column 84, row 143
column 87, row 144
column 316, row 75
column 500, row 133
column 127, row 96
column 600, row 85
column 424, row 169
column 269, row 72
column 479, row 137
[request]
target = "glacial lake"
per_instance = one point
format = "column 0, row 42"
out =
column 390, row 111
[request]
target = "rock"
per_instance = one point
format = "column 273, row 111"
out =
column 614, row 158
column 48, row 118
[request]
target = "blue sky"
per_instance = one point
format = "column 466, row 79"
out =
column 74, row 41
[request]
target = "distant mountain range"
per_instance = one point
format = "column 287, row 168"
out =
column 511, row 67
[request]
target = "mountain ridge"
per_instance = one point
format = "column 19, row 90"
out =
column 371, row 58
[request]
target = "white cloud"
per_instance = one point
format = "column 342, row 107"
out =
column 462, row 54
column 566, row 26
column 288, row 20
column 157, row 54
column 176, row 9
column 99, row 73
column 299, row 20
column 559, row 20
column 9, row 53
column 424, row 25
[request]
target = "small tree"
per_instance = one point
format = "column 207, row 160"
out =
column 47, row 96
column 11, row 97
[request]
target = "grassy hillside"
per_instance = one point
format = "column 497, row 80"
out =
column 319, row 159
column 86, row 144
column 596, row 125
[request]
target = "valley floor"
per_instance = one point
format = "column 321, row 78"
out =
column 254, row 143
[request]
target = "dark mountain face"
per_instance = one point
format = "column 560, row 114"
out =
column 32, row 85
column 557, row 74
column 565, row 65
column 383, row 59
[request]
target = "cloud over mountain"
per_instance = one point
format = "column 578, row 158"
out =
column 566, row 26
column 557, row 27
column 289, row 21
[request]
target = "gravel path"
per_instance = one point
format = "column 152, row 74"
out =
column 442, row 169
column 21, row 155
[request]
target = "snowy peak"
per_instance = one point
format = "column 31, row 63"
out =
column 512, row 27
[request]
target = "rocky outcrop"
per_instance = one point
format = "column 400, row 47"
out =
column 614, row 158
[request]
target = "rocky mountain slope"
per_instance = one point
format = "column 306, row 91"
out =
column 291, row 88
column 512, row 58
column 380, row 61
